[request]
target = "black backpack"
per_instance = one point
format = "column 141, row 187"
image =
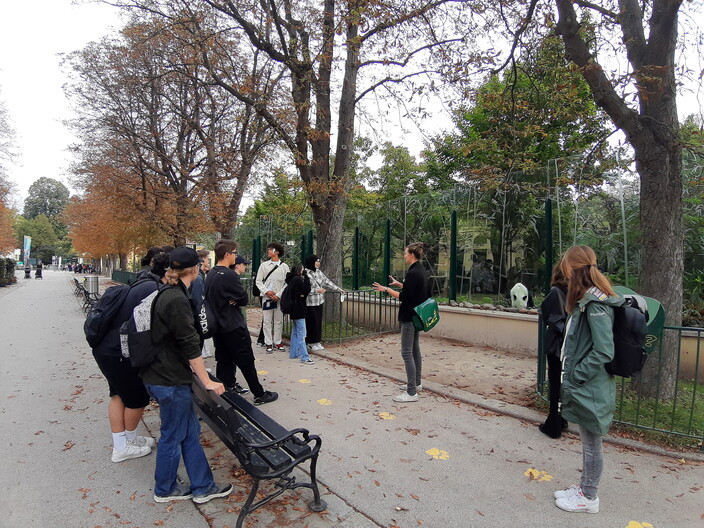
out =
column 102, row 316
column 286, row 301
column 136, row 333
column 630, row 328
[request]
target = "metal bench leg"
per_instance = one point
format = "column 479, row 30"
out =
column 245, row 507
column 317, row 504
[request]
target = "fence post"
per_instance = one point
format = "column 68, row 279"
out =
column 387, row 253
column 548, row 244
column 303, row 249
column 256, row 254
column 355, row 260
column 452, row 285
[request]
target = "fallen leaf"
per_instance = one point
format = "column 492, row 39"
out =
column 416, row 497
column 68, row 445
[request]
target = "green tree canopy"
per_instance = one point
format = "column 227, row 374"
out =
column 45, row 242
column 47, row 197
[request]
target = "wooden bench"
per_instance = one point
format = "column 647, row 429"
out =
column 265, row 449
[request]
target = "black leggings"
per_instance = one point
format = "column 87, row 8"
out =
column 554, row 375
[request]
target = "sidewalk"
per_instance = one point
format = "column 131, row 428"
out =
column 439, row 463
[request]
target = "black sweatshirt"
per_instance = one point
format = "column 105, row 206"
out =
column 415, row 291
column 223, row 285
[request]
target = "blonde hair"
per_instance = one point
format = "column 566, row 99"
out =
column 174, row 275
column 578, row 265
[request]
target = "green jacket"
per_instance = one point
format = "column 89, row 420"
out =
column 588, row 391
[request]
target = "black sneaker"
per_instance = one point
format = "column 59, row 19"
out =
column 267, row 397
column 216, row 492
column 239, row 389
column 177, row 494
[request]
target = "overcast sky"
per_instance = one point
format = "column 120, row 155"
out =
column 32, row 35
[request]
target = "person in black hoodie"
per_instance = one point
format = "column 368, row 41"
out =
column 553, row 317
column 128, row 397
column 414, row 291
column 225, row 295
column 298, row 284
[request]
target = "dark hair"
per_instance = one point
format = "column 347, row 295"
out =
column 151, row 253
column 578, row 264
column 558, row 278
column 310, row 262
column 224, row 246
column 160, row 263
column 297, row 269
column 416, row 249
column 167, row 249
column 278, row 247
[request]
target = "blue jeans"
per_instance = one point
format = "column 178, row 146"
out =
column 298, row 340
column 180, row 436
column 410, row 352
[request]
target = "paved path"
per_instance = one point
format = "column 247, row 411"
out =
column 439, row 463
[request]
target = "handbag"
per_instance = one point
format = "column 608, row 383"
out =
column 427, row 315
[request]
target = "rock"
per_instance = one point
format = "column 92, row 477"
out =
column 453, row 303
column 513, row 309
column 487, row 307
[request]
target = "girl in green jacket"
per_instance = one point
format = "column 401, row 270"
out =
column 588, row 391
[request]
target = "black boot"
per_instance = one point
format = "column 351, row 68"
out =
column 553, row 426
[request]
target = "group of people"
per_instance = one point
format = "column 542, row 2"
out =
column 578, row 313
column 82, row 268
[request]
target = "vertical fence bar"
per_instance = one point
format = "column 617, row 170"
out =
column 355, row 260
column 303, row 249
column 452, row 290
column 549, row 257
column 309, row 248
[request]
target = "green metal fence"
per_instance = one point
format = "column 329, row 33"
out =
column 125, row 277
column 683, row 414
column 354, row 315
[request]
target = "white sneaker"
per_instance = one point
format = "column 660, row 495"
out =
column 578, row 503
column 318, row 346
column 572, row 490
column 404, row 397
column 405, row 387
column 142, row 441
column 131, row 451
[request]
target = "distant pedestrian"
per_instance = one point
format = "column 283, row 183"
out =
column 168, row 379
column 319, row 285
column 413, row 291
column 553, row 313
column 298, row 284
column 271, row 277
column 233, row 344
column 588, row 391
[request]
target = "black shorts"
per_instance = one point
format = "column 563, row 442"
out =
column 123, row 381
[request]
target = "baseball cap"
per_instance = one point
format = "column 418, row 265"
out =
column 182, row 258
column 241, row 260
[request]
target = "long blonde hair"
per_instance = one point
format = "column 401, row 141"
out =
column 578, row 265
column 174, row 275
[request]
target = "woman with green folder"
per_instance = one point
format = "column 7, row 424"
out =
column 413, row 291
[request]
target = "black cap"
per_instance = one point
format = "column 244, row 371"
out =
column 241, row 260
column 182, row 258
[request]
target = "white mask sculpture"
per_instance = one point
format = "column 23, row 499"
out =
column 519, row 296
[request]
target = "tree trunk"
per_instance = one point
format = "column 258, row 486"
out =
column 662, row 265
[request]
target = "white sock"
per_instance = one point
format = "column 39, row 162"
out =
column 131, row 435
column 119, row 441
